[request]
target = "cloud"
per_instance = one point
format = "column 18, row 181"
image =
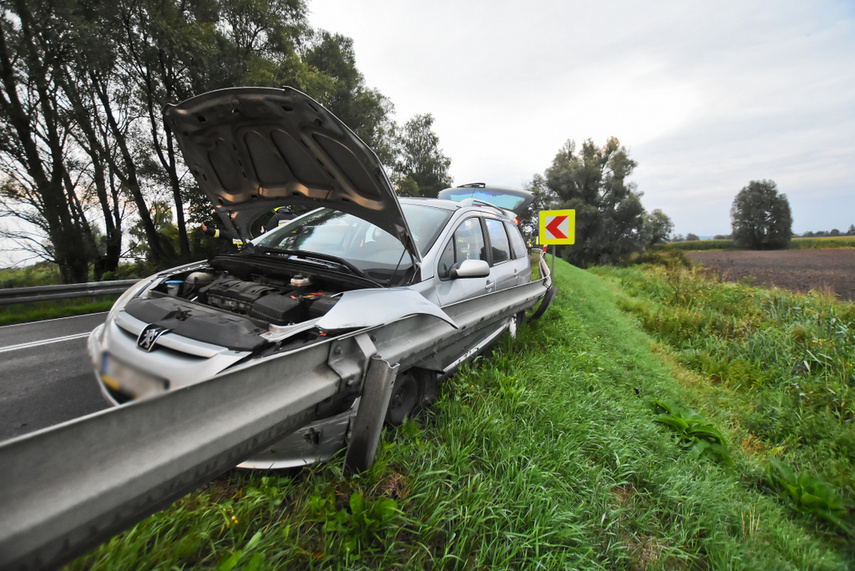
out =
column 707, row 96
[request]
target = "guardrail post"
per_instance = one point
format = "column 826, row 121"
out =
column 368, row 425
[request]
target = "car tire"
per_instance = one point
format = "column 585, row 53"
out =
column 406, row 396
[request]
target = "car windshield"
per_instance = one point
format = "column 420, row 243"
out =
column 372, row 250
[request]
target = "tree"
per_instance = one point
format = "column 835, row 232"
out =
column 339, row 85
column 421, row 169
column 656, row 228
column 82, row 86
column 609, row 214
column 544, row 199
column 161, row 216
column 167, row 51
column 39, row 158
column 760, row 217
column 692, row 237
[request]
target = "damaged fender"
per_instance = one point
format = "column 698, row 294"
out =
column 375, row 307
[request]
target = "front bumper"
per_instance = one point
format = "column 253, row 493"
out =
column 314, row 442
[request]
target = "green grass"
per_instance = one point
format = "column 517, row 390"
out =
column 777, row 367
column 27, row 312
column 39, row 274
column 546, row 455
column 42, row 274
column 45, row 273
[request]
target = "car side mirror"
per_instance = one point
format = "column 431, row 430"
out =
column 471, row 269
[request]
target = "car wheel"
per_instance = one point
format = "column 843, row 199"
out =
column 517, row 321
column 406, row 395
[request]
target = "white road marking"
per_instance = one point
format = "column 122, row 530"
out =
column 43, row 342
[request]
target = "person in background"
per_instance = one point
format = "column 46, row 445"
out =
column 281, row 215
column 236, row 243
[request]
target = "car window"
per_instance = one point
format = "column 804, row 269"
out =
column 518, row 247
column 500, row 247
column 329, row 231
column 425, row 222
column 322, row 231
column 377, row 253
column 507, row 198
column 332, row 233
column 467, row 243
column 446, row 260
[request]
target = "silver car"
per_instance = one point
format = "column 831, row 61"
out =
column 359, row 259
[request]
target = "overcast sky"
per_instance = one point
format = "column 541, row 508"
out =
column 707, row 96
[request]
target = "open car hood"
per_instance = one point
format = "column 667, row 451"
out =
column 252, row 149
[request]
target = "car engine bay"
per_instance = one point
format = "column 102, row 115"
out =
column 234, row 303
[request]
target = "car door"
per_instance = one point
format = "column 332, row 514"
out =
column 506, row 268
column 467, row 242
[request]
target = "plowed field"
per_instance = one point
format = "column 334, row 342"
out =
column 828, row 270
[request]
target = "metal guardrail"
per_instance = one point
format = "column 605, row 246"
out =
column 68, row 488
column 71, row 487
column 9, row 296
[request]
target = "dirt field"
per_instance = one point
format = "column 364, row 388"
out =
column 831, row 270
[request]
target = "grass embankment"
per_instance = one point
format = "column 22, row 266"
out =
column 35, row 275
column 43, row 274
column 777, row 368
column 545, row 455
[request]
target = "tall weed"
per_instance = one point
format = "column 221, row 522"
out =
column 784, row 361
column 695, row 433
column 808, row 494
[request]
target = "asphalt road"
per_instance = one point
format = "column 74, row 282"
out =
column 45, row 375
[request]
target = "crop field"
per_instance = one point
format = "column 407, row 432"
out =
column 798, row 243
column 829, row 270
column 653, row 418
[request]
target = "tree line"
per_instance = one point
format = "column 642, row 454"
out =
column 84, row 155
column 612, row 226
column 829, row 233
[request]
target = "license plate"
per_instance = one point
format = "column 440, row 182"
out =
column 125, row 378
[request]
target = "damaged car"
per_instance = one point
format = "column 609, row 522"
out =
column 359, row 259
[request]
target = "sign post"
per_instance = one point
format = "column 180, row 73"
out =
column 557, row 227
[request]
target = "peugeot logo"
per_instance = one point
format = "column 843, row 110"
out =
column 149, row 336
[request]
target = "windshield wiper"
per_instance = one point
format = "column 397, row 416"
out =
column 322, row 259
